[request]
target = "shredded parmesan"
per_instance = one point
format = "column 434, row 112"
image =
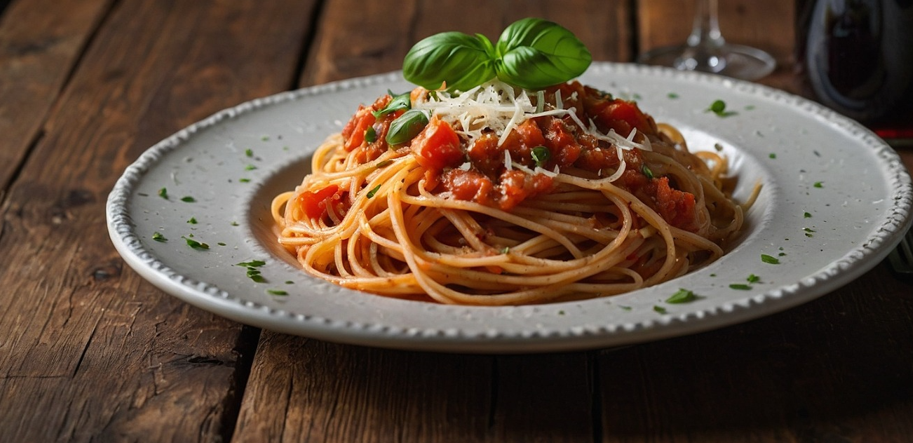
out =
column 497, row 107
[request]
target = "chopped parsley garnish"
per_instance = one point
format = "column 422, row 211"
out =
column 234, row 223
column 772, row 155
column 254, row 274
column 753, row 278
column 252, row 263
column 626, row 308
column 384, row 164
column 193, row 220
column 769, row 259
column 188, row 199
column 373, row 191
column 672, row 95
column 718, row 107
column 646, row 171
column 244, row 180
column 276, row 292
column 163, row 193
column 718, row 147
column 265, row 138
column 659, row 309
column 505, row 250
column 541, row 155
column 159, row 237
column 221, row 243
column 249, row 152
column 740, row 286
column 195, row 244
column 818, row 185
column 289, row 282
column 682, row 296
column 807, row 215
column 250, row 168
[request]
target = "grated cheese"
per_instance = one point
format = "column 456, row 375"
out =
column 497, row 107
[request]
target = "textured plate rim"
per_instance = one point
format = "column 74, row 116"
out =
column 209, row 296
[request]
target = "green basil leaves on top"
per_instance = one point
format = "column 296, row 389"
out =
column 536, row 54
column 531, row 53
column 406, row 126
column 461, row 60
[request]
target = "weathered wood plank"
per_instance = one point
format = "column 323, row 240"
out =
column 376, row 39
column 40, row 41
column 307, row 390
column 88, row 350
column 836, row 369
column 768, row 25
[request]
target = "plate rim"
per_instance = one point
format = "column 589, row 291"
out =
column 210, row 297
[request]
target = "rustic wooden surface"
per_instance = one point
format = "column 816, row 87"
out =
column 89, row 351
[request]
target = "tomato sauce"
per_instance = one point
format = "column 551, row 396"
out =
column 477, row 171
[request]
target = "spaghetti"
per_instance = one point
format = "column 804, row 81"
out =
column 503, row 197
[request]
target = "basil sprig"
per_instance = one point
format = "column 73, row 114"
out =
column 397, row 102
column 531, row 53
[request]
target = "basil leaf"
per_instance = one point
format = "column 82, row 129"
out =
column 536, row 53
column 401, row 101
column 461, row 60
column 406, row 127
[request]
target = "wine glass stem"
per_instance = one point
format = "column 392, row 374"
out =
column 704, row 51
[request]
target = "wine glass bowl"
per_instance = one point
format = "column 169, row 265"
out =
column 707, row 51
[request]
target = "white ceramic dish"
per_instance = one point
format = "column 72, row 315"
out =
column 835, row 200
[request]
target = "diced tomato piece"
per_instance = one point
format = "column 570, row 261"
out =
column 486, row 155
column 437, row 146
column 468, row 186
column 676, row 207
column 516, row 186
column 360, row 123
column 530, row 134
column 622, row 116
column 562, row 144
column 314, row 203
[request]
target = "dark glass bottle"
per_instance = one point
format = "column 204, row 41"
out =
column 856, row 56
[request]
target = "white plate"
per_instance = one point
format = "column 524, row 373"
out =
column 858, row 212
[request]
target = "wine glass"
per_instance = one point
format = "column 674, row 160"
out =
column 707, row 51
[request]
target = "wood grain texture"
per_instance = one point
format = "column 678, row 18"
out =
column 769, row 25
column 88, row 350
column 306, row 390
column 376, row 39
column 836, row 369
column 420, row 396
column 40, row 42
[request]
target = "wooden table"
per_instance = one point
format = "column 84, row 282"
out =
column 91, row 351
